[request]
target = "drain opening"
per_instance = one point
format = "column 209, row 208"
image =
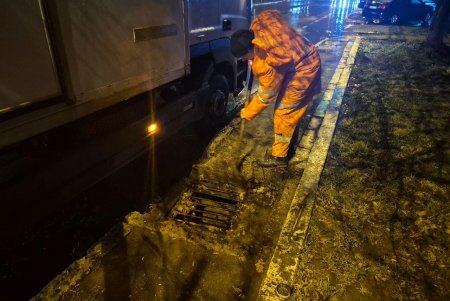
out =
column 209, row 204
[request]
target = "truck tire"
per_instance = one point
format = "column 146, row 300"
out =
column 216, row 107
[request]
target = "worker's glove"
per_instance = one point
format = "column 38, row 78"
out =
column 244, row 116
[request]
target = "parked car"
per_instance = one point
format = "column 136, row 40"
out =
column 397, row 11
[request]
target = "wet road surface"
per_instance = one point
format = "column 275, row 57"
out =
column 316, row 20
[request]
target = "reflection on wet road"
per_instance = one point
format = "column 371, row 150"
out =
column 339, row 10
column 315, row 19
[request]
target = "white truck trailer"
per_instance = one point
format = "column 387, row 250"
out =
column 63, row 60
column 84, row 83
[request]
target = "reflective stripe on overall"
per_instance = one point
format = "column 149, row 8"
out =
column 287, row 113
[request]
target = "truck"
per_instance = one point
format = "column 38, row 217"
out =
column 88, row 86
column 63, row 60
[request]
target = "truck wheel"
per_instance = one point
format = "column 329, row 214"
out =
column 217, row 100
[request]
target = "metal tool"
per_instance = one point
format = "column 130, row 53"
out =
column 248, row 93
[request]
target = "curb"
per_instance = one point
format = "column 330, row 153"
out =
column 279, row 280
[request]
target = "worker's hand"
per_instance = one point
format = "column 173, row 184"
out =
column 244, row 116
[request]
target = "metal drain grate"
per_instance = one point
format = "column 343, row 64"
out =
column 209, row 204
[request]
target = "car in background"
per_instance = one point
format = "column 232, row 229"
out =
column 397, row 11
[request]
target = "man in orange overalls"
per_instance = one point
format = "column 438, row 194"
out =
column 288, row 70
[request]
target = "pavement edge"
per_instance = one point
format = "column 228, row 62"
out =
column 278, row 282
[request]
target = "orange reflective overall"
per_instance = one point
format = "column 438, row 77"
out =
column 287, row 67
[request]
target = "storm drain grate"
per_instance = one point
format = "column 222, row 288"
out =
column 209, row 204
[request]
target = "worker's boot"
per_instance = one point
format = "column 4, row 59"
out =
column 271, row 161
